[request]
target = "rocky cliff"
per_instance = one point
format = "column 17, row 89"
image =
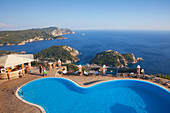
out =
column 65, row 53
column 24, row 36
column 113, row 58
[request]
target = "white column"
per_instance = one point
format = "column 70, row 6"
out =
column 138, row 70
column 104, row 69
column 80, row 68
column 59, row 63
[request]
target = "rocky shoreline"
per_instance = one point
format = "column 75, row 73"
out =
column 32, row 35
column 113, row 58
column 65, row 53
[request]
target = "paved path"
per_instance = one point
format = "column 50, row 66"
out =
column 9, row 103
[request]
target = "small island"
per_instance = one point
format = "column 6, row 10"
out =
column 54, row 53
column 59, row 37
column 113, row 58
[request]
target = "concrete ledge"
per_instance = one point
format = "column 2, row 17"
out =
column 39, row 107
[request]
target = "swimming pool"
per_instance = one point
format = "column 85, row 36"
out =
column 59, row 95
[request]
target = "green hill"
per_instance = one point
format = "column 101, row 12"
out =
column 16, row 37
column 113, row 58
column 5, row 52
column 65, row 53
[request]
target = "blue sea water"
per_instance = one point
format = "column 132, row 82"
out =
column 58, row 95
column 152, row 46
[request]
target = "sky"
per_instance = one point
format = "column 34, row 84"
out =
column 85, row 14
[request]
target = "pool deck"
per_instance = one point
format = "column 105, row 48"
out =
column 10, row 103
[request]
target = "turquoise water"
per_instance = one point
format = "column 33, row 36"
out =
column 58, row 95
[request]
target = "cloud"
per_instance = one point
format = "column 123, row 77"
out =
column 6, row 26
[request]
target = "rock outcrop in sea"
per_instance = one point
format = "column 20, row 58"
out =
column 113, row 58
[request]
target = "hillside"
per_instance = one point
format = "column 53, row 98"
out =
column 113, row 58
column 23, row 36
column 65, row 53
column 5, row 52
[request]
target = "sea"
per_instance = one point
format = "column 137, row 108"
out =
column 152, row 46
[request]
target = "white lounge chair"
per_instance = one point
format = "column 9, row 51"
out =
column 65, row 72
column 91, row 72
column 86, row 73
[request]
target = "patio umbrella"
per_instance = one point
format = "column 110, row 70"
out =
column 15, row 59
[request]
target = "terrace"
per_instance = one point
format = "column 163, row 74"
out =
column 10, row 103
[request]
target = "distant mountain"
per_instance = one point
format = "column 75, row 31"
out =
column 23, row 36
column 65, row 53
column 113, row 58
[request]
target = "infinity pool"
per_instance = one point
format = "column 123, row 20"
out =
column 59, row 95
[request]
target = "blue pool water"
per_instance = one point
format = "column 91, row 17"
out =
column 58, row 95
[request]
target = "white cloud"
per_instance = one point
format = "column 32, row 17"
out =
column 4, row 26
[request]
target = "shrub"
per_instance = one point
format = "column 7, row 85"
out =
column 168, row 77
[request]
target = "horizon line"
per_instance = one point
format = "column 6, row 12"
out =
column 19, row 29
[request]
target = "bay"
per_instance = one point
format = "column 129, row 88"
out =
column 152, row 46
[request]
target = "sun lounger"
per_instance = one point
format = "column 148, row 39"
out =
column 156, row 80
column 76, row 72
column 86, row 73
column 65, row 72
column 163, row 81
column 96, row 73
column 168, row 83
column 91, row 72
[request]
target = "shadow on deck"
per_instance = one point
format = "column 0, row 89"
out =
column 88, row 83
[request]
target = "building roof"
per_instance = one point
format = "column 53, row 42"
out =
column 15, row 59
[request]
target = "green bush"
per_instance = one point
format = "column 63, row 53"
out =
column 71, row 67
column 168, row 77
column 35, row 64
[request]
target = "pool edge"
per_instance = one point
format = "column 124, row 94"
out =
column 78, row 85
column 29, row 103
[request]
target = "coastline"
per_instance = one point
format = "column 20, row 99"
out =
column 24, row 42
column 154, row 62
column 30, row 35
